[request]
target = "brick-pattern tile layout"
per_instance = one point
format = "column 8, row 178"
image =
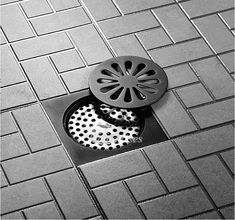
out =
column 50, row 47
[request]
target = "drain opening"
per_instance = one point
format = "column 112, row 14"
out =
column 100, row 126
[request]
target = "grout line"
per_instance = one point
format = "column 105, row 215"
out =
column 225, row 165
column 163, row 27
column 118, row 180
column 57, row 74
column 51, row 6
column 117, row 7
column 98, row 29
column 202, row 82
column 30, row 206
column 21, row 133
column 165, row 195
column 27, row 20
column 209, row 154
column 225, row 23
column 155, row 171
column 91, row 193
column 77, row 49
column 23, row 214
column 13, row 84
column 5, row 175
column 197, row 179
column 142, row 45
column 131, row 195
column 53, row 197
column 186, row 110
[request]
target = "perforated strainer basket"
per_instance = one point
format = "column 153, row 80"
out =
column 99, row 126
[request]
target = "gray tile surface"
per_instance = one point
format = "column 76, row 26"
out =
column 59, row 43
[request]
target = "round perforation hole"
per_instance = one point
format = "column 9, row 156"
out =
column 103, row 127
column 128, row 82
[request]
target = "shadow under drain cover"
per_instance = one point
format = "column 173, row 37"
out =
column 100, row 126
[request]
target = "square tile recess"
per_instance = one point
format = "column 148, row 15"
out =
column 57, row 110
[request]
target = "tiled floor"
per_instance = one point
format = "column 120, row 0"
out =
column 48, row 49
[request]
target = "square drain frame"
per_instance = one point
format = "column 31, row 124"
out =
column 56, row 108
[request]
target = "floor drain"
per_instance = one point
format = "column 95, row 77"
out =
column 128, row 82
column 99, row 126
column 114, row 115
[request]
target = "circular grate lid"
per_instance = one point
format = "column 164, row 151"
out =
column 128, row 82
column 88, row 127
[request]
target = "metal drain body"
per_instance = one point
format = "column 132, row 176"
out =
column 100, row 126
column 128, row 82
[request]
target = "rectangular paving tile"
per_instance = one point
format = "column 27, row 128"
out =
column 215, row 178
column 154, row 38
column 12, row 146
column 213, row 114
column 116, row 202
column 60, row 21
column 44, row 80
column 172, row 18
column 196, row 8
column 41, row 46
column 145, row 186
column 22, row 195
column 172, row 115
column 128, row 24
column 35, row 128
column 115, row 168
column 170, row 166
column 215, row 77
column 182, row 52
column 216, row 33
column 71, row 195
column 128, row 46
column 7, row 124
column 16, row 95
column 90, row 44
column 206, row 142
column 228, row 157
column 59, row 5
column 77, row 79
column 101, row 9
column 180, row 75
column 37, row 164
column 34, row 8
column 194, row 95
column 178, row 205
column 44, row 211
column 14, row 24
column 10, row 71
column 67, row 60
column 133, row 5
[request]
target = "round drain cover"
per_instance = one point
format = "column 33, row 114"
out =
column 88, row 127
column 128, row 82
